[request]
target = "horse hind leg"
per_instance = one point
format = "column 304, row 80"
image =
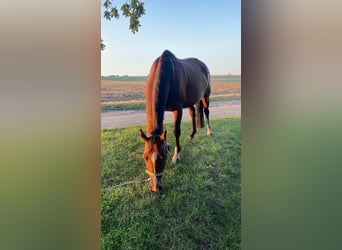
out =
column 209, row 132
column 193, row 118
column 205, row 101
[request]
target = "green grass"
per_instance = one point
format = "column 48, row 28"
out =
column 199, row 207
column 123, row 105
column 224, row 98
column 133, row 105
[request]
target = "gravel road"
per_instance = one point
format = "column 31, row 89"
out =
column 133, row 117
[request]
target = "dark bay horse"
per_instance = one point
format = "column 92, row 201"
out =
column 172, row 84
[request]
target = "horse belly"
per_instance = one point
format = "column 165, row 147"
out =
column 172, row 107
column 192, row 99
column 182, row 102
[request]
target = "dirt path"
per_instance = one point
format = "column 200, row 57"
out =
column 133, row 117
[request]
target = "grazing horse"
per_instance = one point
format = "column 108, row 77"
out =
column 172, row 84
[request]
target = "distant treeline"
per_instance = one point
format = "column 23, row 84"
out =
column 125, row 78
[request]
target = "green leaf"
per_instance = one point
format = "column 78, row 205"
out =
column 107, row 4
column 114, row 13
column 107, row 15
column 134, row 25
column 134, row 3
column 125, row 9
column 103, row 46
column 134, row 10
column 140, row 10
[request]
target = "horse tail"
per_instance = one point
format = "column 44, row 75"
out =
column 199, row 114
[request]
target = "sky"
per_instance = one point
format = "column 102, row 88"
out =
column 207, row 30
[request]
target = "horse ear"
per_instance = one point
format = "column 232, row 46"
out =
column 163, row 136
column 143, row 136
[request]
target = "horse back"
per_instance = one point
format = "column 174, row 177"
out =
column 194, row 81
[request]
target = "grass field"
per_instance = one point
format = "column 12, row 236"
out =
column 199, row 207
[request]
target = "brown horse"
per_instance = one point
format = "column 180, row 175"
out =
column 172, row 84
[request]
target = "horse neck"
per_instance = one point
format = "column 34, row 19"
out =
column 149, row 102
column 156, row 93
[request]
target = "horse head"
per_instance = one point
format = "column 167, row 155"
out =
column 155, row 155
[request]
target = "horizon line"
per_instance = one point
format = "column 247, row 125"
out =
column 126, row 75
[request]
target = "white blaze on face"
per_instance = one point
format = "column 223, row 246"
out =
column 154, row 159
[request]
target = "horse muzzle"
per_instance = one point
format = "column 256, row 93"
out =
column 155, row 185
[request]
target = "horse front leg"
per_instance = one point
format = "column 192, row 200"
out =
column 177, row 115
column 193, row 118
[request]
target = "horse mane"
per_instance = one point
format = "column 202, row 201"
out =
column 149, row 89
column 157, row 90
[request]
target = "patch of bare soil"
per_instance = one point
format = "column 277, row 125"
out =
column 114, row 91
